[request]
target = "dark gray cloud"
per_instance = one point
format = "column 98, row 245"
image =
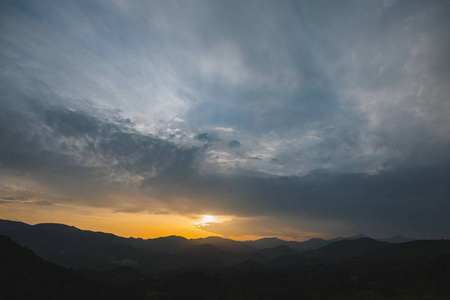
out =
column 234, row 144
column 14, row 198
column 76, row 147
column 206, row 137
column 405, row 201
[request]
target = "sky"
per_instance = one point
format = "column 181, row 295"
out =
column 290, row 119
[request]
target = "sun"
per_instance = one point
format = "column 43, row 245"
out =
column 207, row 219
column 204, row 221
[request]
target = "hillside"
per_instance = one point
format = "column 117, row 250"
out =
column 24, row 275
column 358, row 268
column 345, row 249
column 71, row 247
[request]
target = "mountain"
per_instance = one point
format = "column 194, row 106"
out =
column 266, row 243
column 293, row 261
column 278, row 251
column 71, row 247
column 81, row 249
column 396, row 240
column 24, row 275
column 209, row 255
column 248, row 265
column 421, row 250
column 120, row 274
column 311, row 244
column 333, row 252
column 225, row 244
column 168, row 244
column 413, row 270
column 345, row 249
column 111, row 267
column 314, row 243
column 355, row 237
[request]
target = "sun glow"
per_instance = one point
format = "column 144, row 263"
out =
column 207, row 219
column 208, row 222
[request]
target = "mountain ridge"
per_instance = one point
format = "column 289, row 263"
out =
column 261, row 243
column 412, row 270
column 71, row 247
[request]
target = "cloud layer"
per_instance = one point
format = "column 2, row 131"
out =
column 320, row 117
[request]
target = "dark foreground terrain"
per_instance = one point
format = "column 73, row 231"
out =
column 360, row 268
column 26, row 276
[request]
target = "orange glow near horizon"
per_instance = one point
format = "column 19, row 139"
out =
column 138, row 225
column 34, row 203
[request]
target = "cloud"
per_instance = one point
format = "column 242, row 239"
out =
column 77, row 152
column 328, row 95
column 324, row 115
column 399, row 90
column 69, row 150
column 234, row 144
column 407, row 201
column 75, row 147
column 256, row 227
column 20, row 198
column 206, row 137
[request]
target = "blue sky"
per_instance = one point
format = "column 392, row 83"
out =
column 289, row 117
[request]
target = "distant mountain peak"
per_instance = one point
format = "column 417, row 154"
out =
column 171, row 237
column 345, row 249
column 55, row 226
column 205, row 246
column 397, row 239
column 278, row 251
column 270, row 239
column 315, row 239
column 214, row 238
column 355, row 237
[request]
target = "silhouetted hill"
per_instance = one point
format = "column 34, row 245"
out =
column 314, row 243
column 355, row 237
column 206, row 251
column 188, row 269
column 425, row 276
column 278, row 251
column 396, row 240
column 71, row 247
column 24, row 275
column 266, row 243
column 345, row 249
column 293, row 261
column 169, row 244
column 82, row 249
column 225, row 244
column 207, row 255
column 117, row 275
column 406, row 252
column 297, row 246
column 248, row 265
